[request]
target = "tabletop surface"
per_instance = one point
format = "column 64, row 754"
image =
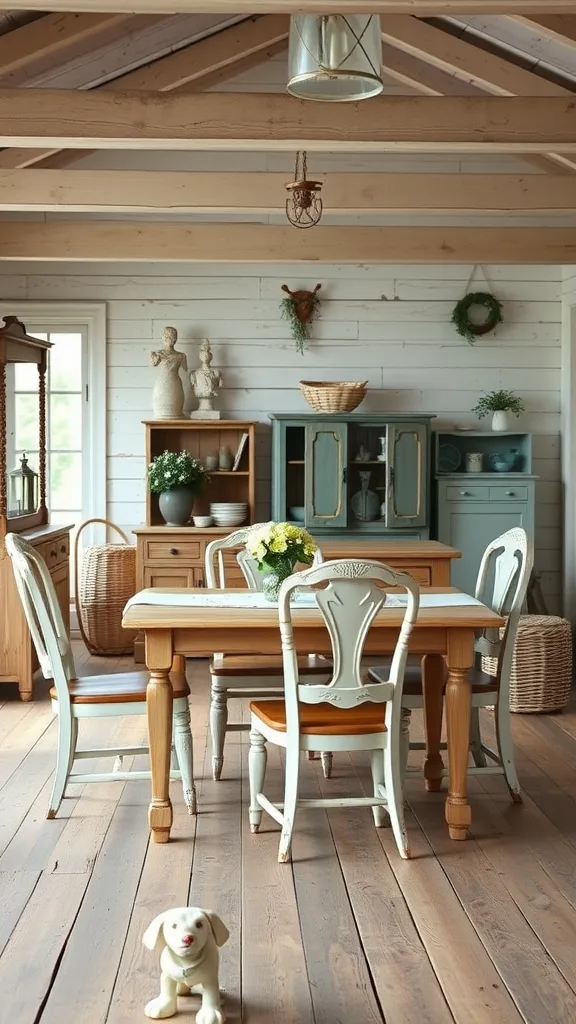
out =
column 149, row 616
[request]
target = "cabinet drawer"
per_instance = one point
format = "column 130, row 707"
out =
column 176, row 550
column 468, row 493
column 421, row 573
column 57, row 551
column 508, row 492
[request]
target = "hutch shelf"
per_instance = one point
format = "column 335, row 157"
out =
column 484, row 486
column 17, row 656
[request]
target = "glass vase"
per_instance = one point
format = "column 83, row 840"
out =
column 274, row 578
column 365, row 504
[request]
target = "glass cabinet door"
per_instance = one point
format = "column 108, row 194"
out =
column 406, row 492
column 326, row 463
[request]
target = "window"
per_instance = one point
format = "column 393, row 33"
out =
column 75, row 409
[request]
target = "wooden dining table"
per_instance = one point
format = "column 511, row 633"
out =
column 443, row 636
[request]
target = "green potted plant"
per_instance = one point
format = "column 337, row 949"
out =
column 278, row 548
column 177, row 479
column 499, row 403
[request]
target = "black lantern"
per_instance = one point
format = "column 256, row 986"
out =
column 23, row 499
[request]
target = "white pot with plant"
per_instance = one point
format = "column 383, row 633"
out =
column 501, row 404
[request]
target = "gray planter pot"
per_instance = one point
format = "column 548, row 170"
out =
column 176, row 505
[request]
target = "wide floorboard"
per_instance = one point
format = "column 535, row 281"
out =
column 472, row 933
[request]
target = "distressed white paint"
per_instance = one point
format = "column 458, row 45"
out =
column 389, row 325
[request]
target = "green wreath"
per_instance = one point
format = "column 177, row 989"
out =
column 461, row 319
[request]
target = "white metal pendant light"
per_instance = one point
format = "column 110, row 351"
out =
column 335, row 58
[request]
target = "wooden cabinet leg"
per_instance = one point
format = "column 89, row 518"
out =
column 458, row 703
column 159, row 701
column 433, row 672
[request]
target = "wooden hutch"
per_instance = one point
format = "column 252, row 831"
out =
column 168, row 556
column 17, row 656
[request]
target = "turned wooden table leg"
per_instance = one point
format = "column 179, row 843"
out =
column 458, row 701
column 433, row 672
column 159, row 702
column 179, row 665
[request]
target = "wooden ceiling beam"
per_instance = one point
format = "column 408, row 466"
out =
column 260, row 121
column 112, row 241
column 224, row 193
column 423, row 8
column 199, row 66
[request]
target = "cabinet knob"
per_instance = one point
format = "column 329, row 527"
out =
column 510, row 494
column 63, row 549
column 53, row 553
column 173, row 551
column 465, row 494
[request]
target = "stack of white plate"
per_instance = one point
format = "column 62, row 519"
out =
column 228, row 513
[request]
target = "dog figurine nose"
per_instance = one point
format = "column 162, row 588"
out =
column 187, row 940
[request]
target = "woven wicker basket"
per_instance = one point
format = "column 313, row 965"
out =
column 541, row 674
column 333, row 396
column 106, row 581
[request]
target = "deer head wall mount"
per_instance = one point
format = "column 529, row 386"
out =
column 300, row 308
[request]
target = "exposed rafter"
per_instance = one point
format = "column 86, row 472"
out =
column 224, row 193
column 252, row 121
column 561, row 28
column 198, row 66
column 489, row 72
column 258, row 243
column 52, row 36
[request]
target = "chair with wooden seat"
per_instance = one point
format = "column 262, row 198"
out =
column 345, row 713
column 104, row 696
column 505, row 571
column 246, row 675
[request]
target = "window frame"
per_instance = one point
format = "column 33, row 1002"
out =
column 92, row 318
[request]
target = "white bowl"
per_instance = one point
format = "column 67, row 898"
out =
column 202, row 522
column 231, row 506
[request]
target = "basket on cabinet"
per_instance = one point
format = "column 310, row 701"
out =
column 104, row 583
column 333, row 396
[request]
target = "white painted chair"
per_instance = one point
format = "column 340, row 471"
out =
column 105, row 696
column 245, row 675
column 345, row 713
column 508, row 560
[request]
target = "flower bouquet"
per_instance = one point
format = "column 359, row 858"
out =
column 278, row 548
column 177, row 478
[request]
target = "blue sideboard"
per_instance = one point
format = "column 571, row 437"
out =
column 483, row 487
column 322, row 466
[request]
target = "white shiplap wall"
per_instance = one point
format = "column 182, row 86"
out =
column 389, row 325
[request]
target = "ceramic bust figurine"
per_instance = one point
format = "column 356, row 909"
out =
column 205, row 383
column 168, row 392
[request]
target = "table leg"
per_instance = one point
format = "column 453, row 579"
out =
column 159, row 701
column 433, row 674
column 460, row 658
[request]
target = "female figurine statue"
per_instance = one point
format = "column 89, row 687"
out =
column 205, row 383
column 168, row 393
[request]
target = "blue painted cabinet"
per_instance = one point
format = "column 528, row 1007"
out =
column 321, row 463
column 472, row 508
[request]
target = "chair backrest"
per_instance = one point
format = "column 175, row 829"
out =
column 216, row 547
column 509, row 558
column 349, row 605
column 43, row 615
column 248, row 565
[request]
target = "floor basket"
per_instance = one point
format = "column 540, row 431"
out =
column 541, row 675
column 105, row 582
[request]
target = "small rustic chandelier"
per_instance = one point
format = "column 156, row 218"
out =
column 303, row 205
column 335, row 58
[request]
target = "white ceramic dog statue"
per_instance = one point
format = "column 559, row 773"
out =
column 189, row 938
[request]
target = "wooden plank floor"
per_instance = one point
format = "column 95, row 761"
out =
column 472, row 933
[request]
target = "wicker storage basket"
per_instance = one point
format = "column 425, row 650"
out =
column 333, row 396
column 541, row 673
column 106, row 581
